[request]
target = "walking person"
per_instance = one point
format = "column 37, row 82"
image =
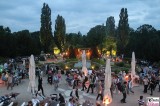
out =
column 83, row 83
column 124, row 92
column 9, row 81
column 40, row 87
column 99, row 91
column 91, row 85
column 145, row 82
column 74, row 94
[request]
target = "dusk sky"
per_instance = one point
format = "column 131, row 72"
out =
column 79, row 15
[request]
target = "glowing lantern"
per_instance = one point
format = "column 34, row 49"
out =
column 107, row 100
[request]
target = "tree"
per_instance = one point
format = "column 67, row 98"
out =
column 96, row 37
column 94, row 52
column 74, row 39
column 110, row 32
column 110, row 44
column 123, row 31
column 110, row 26
column 59, row 33
column 46, row 36
column 71, row 52
column 147, row 43
column 36, row 40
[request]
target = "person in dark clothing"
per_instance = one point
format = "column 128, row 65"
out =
column 124, row 92
column 152, row 86
column 40, row 84
column 62, row 100
column 91, row 85
column 74, row 93
column 159, row 83
column 83, row 83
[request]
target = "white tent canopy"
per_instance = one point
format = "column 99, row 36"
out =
column 32, row 84
column 133, row 72
column 107, row 84
column 84, row 68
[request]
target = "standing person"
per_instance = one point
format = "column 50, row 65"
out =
column 141, row 101
column 56, row 81
column 124, row 92
column 145, row 82
column 129, row 86
column 152, row 86
column 40, row 84
column 9, row 81
column 99, row 91
column 61, row 100
column 70, row 103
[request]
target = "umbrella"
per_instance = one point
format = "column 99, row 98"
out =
column 133, row 73
column 84, row 69
column 32, row 84
column 133, row 64
column 107, row 99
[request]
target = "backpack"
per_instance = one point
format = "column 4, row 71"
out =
column 119, row 86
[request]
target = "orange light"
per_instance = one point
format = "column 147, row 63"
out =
column 126, row 77
column 106, row 100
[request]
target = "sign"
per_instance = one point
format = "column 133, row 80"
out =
column 153, row 101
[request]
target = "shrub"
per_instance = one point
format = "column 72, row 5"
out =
column 127, row 65
column 120, row 64
column 98, row 61
column 125, row 69
column 71, row 59
column 42, row 58
column 116, row 71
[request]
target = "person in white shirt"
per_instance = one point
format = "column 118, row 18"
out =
column 145, row 82
column 5, row 65
column 70, row 103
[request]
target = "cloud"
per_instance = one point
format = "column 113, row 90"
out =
column 79, row 15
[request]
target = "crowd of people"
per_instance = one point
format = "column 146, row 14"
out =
column 93, row 82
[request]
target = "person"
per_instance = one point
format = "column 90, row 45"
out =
column 30, row 103
column 39, row 96
column 124, row 92
column 40, row 87
column 91, row 85
column 74, row 93
column 152, row 86
column 5, row 65
column 4, row 78
column 62, row 100
column 56, row 81
column 83, row 83
column 130, row 86
column 141, row 101
column 145, row 82
column 99, row 91
column 70, row 103
column 9, row 82
column 159, row 83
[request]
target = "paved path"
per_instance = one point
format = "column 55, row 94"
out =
column 65, row 90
